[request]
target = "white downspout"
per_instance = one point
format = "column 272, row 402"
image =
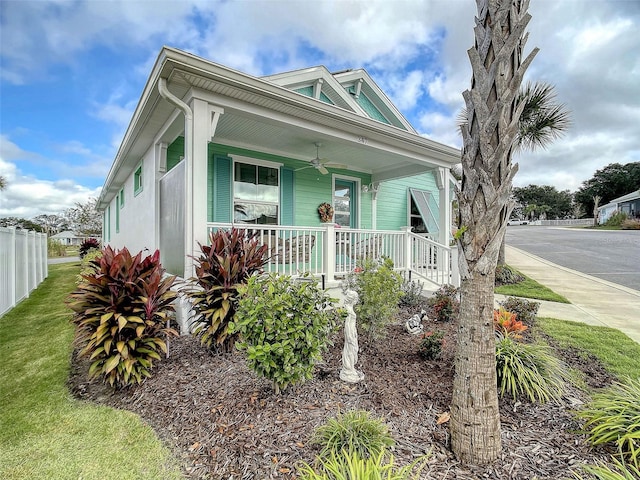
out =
column 188, row 154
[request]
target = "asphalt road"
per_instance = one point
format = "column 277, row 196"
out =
column 610, row 255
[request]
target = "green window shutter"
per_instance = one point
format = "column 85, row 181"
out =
column 286, row 196
column 221, row 189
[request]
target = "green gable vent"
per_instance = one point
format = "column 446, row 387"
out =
column 325, row 99
column 307, row 91
column 371, row 109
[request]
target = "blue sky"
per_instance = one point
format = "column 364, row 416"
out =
column 72, row 72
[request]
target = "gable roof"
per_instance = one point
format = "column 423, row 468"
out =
column 354, row 90
column 261, row 114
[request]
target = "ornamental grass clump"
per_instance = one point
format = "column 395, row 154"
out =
column 356, row 432
column 617, row 470
column 529, row 370
column 284, row 326
column 121, row 314
column 350, row 466
column 613, row 418
column 223, row 266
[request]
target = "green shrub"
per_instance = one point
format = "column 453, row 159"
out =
column 529, row 370
column 379, row 291
column 55, row 249
column 616, row 219
column 349, row 466
column 356, row 432
column 506, row 275
column 224, row 265
column 88, row 265
column 431, row 345
column 524, row 309
column 120, row 313
column 631, row 224
column 87, row 245
column 445, row 303
column 613, row 416
column 618, row 471
column 411, row 292
column 284, row 326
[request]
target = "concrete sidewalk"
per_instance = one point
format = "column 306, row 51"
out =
column 593, row 301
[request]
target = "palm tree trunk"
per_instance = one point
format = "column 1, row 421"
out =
column 489, row 134
column 475, row 417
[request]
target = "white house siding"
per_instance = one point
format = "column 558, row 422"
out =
column 137, row 216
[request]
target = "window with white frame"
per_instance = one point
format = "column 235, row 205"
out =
column 137, row 180
column 256, row 193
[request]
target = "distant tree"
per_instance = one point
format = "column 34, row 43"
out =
column 558, row 203
column 22, row 223
column 84, row 218
column 52, row 224
column 610, row 182
column 596, row 204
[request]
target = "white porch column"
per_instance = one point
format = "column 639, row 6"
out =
column 329, row 257
column 196, row 211
column 444, row 202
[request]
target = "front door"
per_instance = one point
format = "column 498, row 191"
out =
column 344, row 203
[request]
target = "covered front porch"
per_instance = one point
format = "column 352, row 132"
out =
column 330, row 252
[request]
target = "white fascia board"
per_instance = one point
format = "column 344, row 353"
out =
column 372, row 87
column 306, row 77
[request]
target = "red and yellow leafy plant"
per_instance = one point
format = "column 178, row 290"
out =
column 121, row 313
column 228, row 262
column 506, row 323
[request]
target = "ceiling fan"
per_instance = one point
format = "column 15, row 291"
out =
column 320, row 164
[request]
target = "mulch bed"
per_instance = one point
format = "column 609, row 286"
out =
column 223, row 422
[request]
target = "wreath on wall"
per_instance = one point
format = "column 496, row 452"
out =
column 326, row 212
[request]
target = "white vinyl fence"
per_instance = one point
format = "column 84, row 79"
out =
column 23, row 265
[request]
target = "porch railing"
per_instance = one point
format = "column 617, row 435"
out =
column 330, row 252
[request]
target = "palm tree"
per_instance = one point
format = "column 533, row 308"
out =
column 542, row 121
column 3, row 183
column 490, row 132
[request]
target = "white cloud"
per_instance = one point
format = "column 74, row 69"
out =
column 588, row 50
column 27, row 197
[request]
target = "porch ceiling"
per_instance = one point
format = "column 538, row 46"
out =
column 262, row 116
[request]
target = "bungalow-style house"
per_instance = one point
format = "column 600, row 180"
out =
column 209, row 148
column 628, row 204
column 68, row 237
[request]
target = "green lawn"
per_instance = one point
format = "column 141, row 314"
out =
column 617, row 352
column 529, row 288
column 44, row 432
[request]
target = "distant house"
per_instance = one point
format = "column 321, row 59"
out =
column 68, row 238
column 211, row 148
column 628, row 204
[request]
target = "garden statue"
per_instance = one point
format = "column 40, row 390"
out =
column 414, row 324
column 350, row 349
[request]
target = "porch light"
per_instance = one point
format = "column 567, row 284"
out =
column 371, row 188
